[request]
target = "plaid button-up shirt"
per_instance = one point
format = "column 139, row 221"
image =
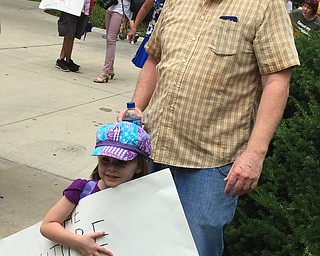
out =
column 209, row 78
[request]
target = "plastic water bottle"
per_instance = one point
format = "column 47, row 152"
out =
column 132, row 115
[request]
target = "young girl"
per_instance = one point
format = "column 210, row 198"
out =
column 122, row 149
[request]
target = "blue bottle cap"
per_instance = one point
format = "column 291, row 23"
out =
column 131, row 104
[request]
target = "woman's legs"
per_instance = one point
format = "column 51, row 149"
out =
column 112, row 22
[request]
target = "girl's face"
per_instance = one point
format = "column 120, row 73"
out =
column 113, row 172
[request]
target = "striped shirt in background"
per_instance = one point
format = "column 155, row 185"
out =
column 87, row 7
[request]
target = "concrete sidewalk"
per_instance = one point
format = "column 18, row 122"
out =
column 48, row 118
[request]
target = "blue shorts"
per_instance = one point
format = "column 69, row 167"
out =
column 141, row 56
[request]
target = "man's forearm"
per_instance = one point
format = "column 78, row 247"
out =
column 270, row 111
column 146, row 83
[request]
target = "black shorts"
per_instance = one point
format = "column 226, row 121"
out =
column 72, row 26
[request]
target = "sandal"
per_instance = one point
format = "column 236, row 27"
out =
column 102, row 78
column 111, row 75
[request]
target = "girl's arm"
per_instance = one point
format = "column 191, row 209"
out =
column 145, row 8
column 52, row 228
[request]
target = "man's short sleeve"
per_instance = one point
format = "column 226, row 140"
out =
column 274, row 44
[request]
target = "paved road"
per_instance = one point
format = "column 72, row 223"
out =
column 48, row 118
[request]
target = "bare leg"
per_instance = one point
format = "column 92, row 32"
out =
column 67, row 48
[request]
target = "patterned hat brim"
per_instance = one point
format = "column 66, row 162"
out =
column 115, row 152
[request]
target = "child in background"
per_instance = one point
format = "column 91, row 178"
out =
column 122, row 149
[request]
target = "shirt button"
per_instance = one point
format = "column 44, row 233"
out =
column 202, row 17
column 183, row 60
column 193, row 39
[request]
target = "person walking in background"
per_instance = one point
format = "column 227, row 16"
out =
column 71, row 27
column 113, row 19
column 306, row 19
column 215, row 86
column 141, row 55
column 135, row 7
column 289, row 6
column 122, row 149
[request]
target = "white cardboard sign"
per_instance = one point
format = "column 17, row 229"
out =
column 141, row 217
column 70, row 6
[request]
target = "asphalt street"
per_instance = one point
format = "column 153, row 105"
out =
column 48, row 118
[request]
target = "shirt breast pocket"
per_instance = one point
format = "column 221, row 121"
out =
column 226, row 36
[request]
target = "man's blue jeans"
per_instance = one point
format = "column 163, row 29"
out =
column 206, row 207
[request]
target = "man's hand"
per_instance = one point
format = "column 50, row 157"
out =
column 244, row 174
column 120, row 115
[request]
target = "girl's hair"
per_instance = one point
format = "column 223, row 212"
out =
column 142, row 166
column 95, row 174
column 314, row 4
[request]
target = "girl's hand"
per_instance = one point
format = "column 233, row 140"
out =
column 87, row 246
column 132, row 34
